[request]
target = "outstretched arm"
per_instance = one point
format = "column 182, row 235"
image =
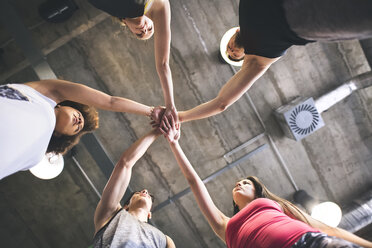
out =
column 119, row 179
column 162, row 36
column 253, row 68
column 61, row 90
column 337, row 232
column 217, row 220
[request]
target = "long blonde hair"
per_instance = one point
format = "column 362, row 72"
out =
column 262, row 192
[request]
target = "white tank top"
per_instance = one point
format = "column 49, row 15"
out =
column 27, row 121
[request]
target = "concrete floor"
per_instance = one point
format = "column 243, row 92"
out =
column 334, row 163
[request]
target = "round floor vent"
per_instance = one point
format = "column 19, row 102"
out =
column 304, row 119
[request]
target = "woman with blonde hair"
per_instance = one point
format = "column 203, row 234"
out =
column 51, row 116
column 262, row 219
column 145, row 18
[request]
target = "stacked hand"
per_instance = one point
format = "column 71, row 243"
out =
column 171, row 130
column 171, row 111
column 159, row 113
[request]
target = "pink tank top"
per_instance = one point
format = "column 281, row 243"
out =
column 262, row 224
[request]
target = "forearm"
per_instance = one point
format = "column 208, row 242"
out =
column 215, row 218
column 120, row 177
column 337, row 232
column 162, row 40
column 187, row 169
column 120, row 104
column 229, row 94
column 253, row 68
column 137, row 149
column 343, row 234
column 165, row 76
column 60, row 90
column 201, row 111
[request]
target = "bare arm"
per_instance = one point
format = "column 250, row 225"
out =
column 337, row 232
column 253, row 68
column 170, row 243
column 216, row 219
column 61, row 90
column 119, row 179
column 162, row 41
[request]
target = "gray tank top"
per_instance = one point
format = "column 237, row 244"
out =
column 125, row 231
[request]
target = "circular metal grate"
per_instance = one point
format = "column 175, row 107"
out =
column 304, row 119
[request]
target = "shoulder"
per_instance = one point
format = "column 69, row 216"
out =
column 48, row 88
column 159, row 11
column 101, row 224
column 170, row 243
column 159, row 6
column 261, row 62
column 161, row 2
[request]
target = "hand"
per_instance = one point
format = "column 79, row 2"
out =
column 156, row 116
column 172, row 111
column 169, row 129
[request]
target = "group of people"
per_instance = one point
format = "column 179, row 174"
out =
column 51, row 115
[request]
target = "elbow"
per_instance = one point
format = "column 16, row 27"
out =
column 111, row 104
column 222, row 104
column 125, row 163
column 192, row 181
column 162, row 67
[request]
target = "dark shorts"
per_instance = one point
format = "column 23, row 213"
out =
column 329, row 20
column 321, row 240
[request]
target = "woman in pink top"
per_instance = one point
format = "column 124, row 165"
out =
column 263, row 219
